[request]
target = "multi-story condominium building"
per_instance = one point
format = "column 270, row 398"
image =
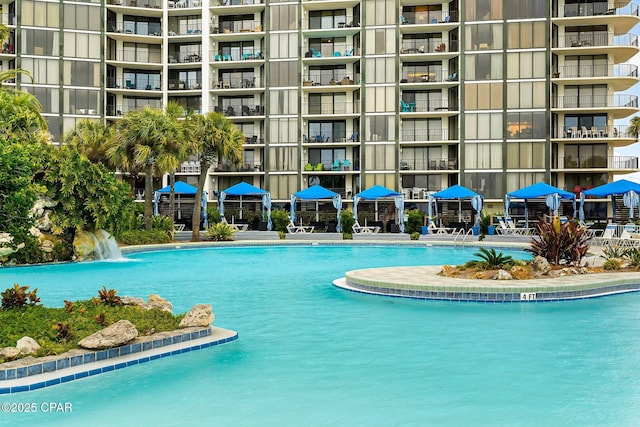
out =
column 415, row 95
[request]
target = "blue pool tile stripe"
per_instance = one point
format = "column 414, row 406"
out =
column 86, row 361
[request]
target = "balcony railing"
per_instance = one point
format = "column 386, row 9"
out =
column 332, row 51
column 428, row 76
column 409, row 135
column 597, row 70
column 231, row 167
column 7, row 18
column 338, row 22
column 426, row 106
column 597, row 101
column 237, row 83
column 246, row 55
column 185, row 57
column 428, row 46
column 598, row 162
column 429, row 164
column 131, row 55
column 119, row 110
column 239, row 110
column 599, row 38
column 253, row 139
column 189, row 30
column 188, row 84
column 149, row 4
column 181, row 4
column 233, row 27
column 148, row 29
column 189, row 167
column 333, row 108
column 609, row 131
column 597, row 9
column 329, row 137
column 141, row 84
column 432, row 17
column 330, row 77
column 235, row 2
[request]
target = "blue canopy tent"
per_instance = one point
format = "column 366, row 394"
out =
column 456, row 192
column 180, row 188
column 245, row 189
column 316, row 192
column 629, row 189
column 379, row 192
column 552, row 196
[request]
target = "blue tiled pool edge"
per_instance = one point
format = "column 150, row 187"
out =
column 51, row 372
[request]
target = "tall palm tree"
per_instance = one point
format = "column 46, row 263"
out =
column 634, row 126
column 143, row 139
column 177, row 146
column 215, row 136
column 90, row 138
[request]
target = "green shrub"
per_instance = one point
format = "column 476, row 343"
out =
column 143, row 237
column 489, row 259
column 415, row 221
column 109, row 297
column 19, row 297
column 612, row 264
column 162, row 223
column 221, row 232
column 346, row 222
column 280, row 219
column 213, row 216
column 415, row 236
column 633, row 255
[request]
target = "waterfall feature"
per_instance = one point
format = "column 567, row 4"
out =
column 106, row 246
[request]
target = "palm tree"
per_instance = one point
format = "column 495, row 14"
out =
column 20, row 113
column 634, row 126
column 214, row 136
column 144, row 139
column 90, row 138
column 177, row 146
column 11, row 74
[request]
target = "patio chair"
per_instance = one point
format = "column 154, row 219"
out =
column 523, row 231
column 315, row 53
column 503, row 228
column 319, row 167
column 346, row 164
column 404, row 21
column 337, row 164
column 607, row 235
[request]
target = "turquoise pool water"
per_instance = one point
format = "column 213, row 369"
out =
column 310, row 354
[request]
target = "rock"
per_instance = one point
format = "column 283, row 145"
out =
column 156, row 301
column 449, row 271
column 115, row 335
column 520, row 272
column 84, row 245
column 199, row 315
column 46, row 246
column 127, row 300
column 503, row 275
column 9, row 353
column 540, row 265
column 27, row 345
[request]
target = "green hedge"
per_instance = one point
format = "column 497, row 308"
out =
column 143, row 237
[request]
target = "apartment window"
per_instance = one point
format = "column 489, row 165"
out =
column 328, row 103
column 284, row 130
column 283, row 186
column 516, row 180
column 237, row 23
column 327, row 19
column 283, row 159
column 185, row 24
column 380, row 157
column 526, row 35
column 525, row 155
column 483, row 155
column 284, row 17
column 484, row 66
column 284, row 45
column 526, row 125
column 483, row 10
column 284, row 74
column 430, row 158
column 327, row 131
column 41, row 14
column 523, row 9
column 585, row 156
column 526, row 65
column 380, row 70
column 484, row 36
column 130, row 104
column 284, row 102
column 49, row 98
column 487, row 183
column 43, row 71
column 81, row 45
column 80, row 17
column 80, row 101
column 381, row 12
column 135, row 52
column 585, row 96
column 483, row 96
column 526, row 95
column 80, row 73
column 324, row 75
column 189, row 103
column 483, row 126
column 427, row 182
column 379, row 128
column 423, row 130
column 40, row 42
column 326, row 156
column 585, row 66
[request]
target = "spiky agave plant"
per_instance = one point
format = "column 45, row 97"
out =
column 560, row 243
column 489, row 259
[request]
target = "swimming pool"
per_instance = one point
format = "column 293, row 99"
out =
column 312, row 354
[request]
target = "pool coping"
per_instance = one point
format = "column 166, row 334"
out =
column 423, row 282
column 29, row 374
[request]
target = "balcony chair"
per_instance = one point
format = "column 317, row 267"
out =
column 354, row 137
column 319, row 167
column 404, row 21
column 315, row 53
column 346, row 165
column 336, row 166
column 452, row 77
column 246, row 111
column 349, row 52
column 130, row 84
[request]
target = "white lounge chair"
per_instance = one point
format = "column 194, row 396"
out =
column 607, row 236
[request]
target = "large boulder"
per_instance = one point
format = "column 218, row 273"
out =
column 129, row 300
column 27, row 345
column 156, row 301
column 84, row 245
column 9, row 353
column 540, row 265
column 200, row 315
column 115, row 335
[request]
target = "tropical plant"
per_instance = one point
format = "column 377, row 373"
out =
column 612, row 264
column 63, row 331
column 415, row 221
column 633, row 255
column 346, row 222
column 279, row 219
column 214, row 136
column 163, row 223
column 489, row 259
column 415, row 236
column 19, row 297
column 634, row 126
column 213, row 215
column 560, row 243
column 109, row 297
column 90, row 138
column 146, row 140
column 221, row 232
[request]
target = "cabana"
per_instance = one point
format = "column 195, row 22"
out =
column 552, row 196
column 629, row 189
column 316, row 192
column 244, row 189
column 379, row 192
column 456, row 192
column 180, row 189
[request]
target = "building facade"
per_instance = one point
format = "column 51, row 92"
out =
column 415, row 95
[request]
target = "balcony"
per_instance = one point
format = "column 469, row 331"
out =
column 188, row 84
column 428, row 76
column 236, row 7
column 618, row 106
column 331, row 138
column 229, row 83
column 235, row 55
column 121, row 109
column 427, row 106
column 191, row 166
column 239, row 110
column 128, row 30
column 622, row 16
column 422, row 135
column 598, row 162
column 7, row 18
column 145, row 7
column 238, row 27
column 620, row 76
column 139, row 59
column 331, row 108
column 429, row 164
column 583, row 133
column 126, row 85
column 231, row 167
column 435, row 21
column 185, row 57
column 621, row 46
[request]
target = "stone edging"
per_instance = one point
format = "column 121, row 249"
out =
column 33, row 373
